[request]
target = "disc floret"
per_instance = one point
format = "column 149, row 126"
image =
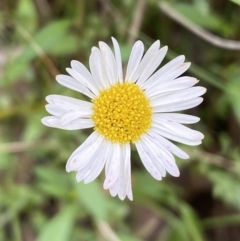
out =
column 122, row 113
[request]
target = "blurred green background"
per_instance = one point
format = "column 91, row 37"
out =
column 39, row 200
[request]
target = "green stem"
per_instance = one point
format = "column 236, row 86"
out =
column 227, row 220
column 16, row 229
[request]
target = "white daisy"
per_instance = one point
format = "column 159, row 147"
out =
column 136, row 109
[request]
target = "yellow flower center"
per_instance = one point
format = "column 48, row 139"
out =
column 122, row 113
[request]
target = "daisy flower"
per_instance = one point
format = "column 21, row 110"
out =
column 137, row 109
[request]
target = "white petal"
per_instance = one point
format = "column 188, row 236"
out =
column 94, row 48
column 73, row 84
column 98, row 70
column 53, row 121
column 109, row 63
column 85, row 80
column 174, row 85
column 173, row 63
column 134, row 60
column 99, row 163
column 129, row 193
column 180, row 129
column 83, row 172
column 79, row 124
column 123, row 187
column 150, row 54
column 68, row 115
column 163, row 156
column 121, row 182
column 125, row 173
column 146, row 159
column 109, row 159
column 152, row 65
column 55, row 110
column 160, row 75
column 118, row 59
column 159, row 140
column 175, row 117
column 95, row 165
column 83, row 153
column 50, row 121
column 183, row 105
column 68, row 103
column 172, row 75
column 146, row 144
column 114, row 189
column 178, row 96
column 81, row 69
column 168, row 162
column 169, row 134
column 113, row 172
column 68, row 109
column 128, row 171
column 74, row 115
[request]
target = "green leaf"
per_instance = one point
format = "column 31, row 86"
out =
column 234, row 98
column 226, row 187
column 200, row 16
column 221, row 221
column 60, row 226
column 69, row 44
column 191, row 223
column 128, row 238
column 26, row 14
column 236, row 1
column 6, row 160
column 177, row 231
column 92, row 197
column 148, row 188
column 45, row 40
column 202, row 5
column 34, row 127
column 184, row 227
column 53, row 181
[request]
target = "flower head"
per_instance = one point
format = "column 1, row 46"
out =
column 137, row 109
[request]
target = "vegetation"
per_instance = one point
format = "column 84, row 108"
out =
column 39, row 200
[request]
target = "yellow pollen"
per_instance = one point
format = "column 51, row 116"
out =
column 122, row 113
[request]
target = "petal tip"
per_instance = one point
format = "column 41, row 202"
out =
column 176, row 174
column 68, row 170
column 165, row 48
column 43, row 120
column 185, row 157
